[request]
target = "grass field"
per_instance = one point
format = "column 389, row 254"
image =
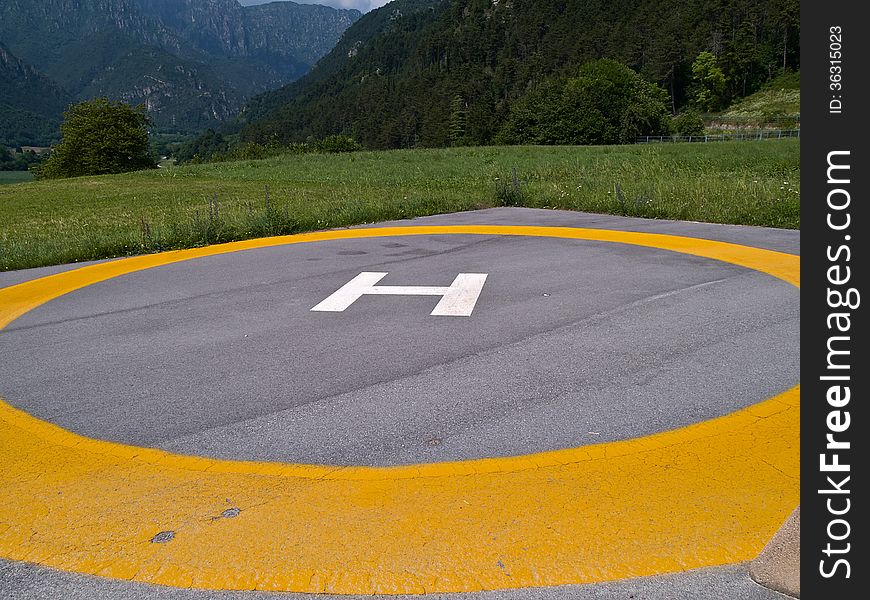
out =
column 15, row 177
column 60, row 221
column 780, row 96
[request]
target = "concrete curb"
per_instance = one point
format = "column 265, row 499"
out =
column 778, row 565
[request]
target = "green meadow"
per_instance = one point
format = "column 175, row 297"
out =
column 69, row 220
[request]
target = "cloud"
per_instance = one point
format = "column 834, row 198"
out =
column 361, row 5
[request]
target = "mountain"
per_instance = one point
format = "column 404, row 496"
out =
column 30, row 103
column 191, row 62
column 414, row 71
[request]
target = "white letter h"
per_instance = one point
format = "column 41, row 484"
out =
column 458, row 300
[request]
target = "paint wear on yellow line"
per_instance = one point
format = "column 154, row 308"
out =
column 708, row 494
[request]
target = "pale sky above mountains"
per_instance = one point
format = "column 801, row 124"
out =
column 363, row 6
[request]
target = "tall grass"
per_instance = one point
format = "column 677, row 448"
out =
column 51, row 222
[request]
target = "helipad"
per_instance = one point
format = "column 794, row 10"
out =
column 601, row 404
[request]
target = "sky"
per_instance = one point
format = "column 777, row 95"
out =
column 361, row 5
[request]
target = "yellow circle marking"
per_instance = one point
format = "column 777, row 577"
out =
column 708, row 494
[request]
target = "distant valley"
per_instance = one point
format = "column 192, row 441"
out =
column 192, row 63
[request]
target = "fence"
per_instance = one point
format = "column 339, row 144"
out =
column 770, row 121
column 759, row 134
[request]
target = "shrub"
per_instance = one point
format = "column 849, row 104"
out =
column 688, row 122
column 338, row 143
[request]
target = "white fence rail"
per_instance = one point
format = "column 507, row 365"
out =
column 759, row 134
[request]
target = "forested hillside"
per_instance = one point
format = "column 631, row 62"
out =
column 435, row 73
column 30, row 103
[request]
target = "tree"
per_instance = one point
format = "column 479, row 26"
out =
column 789, row 21
column 709, row 81
column 458, row 116
column 203, row 148
column 607, row 103
column 100, row 137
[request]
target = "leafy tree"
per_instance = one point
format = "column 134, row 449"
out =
column 100, row 137
column 607, row 103
column 709, row 81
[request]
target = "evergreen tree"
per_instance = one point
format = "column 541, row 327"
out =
column 458, row 115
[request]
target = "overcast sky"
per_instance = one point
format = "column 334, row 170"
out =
column 361, row 5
